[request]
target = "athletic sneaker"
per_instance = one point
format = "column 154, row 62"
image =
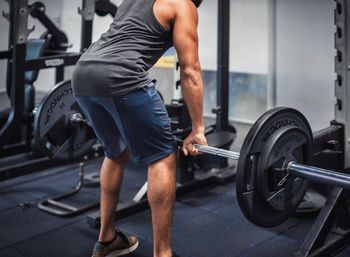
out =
column 120, row 246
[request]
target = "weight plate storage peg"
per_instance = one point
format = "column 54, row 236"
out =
column 55, row 134
column 266, row 193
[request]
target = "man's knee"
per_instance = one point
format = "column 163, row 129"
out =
column 168, row 162
column 121, row 159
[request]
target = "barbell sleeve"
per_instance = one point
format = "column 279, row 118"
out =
column 319, row 175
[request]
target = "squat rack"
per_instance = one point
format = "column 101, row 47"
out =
column 18, row 65
column 330, row 233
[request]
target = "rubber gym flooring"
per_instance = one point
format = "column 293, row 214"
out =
column 207, row 223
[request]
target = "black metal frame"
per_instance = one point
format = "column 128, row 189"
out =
column 55, row 206
column 17, row 41
column 223, row 63
column 328, row 147
column 5, row 55
column 87, row 14
column 57, row 37
column 330, row 232
column 54, row 61
column 126, row 209
column 17, row 66
column 104, row 7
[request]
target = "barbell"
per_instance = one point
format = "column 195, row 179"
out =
column 274, row 164
column 315, row 174
column 272, row 176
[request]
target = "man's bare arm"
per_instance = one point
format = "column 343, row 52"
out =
column 185, row 39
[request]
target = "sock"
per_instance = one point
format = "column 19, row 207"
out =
column 108, row 242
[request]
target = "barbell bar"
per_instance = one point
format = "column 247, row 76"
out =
column 314, row 174
column 319, row 175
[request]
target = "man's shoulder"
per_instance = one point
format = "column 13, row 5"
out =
column 177, row 4
column 171, row 10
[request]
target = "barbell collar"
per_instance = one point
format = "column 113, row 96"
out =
column 319, row 175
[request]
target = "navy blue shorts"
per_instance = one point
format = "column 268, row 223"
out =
column 137, row 120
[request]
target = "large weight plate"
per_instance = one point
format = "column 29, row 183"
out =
column 251, row 200
column 278, row 189
column 55, row 136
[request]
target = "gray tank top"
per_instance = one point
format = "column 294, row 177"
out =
column 131, row 46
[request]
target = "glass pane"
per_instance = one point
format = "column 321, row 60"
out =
column 248, row 57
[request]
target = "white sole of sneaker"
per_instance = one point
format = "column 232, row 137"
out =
column 123, row 252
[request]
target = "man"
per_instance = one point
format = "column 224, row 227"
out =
column 112, row 86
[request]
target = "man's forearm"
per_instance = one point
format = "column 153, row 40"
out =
column 192, row 91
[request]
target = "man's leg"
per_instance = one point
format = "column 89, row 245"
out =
column 111, row 178
column 161, row 197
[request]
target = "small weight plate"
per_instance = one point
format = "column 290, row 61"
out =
column 250, row 201
column 277, row 188
column 55, row 136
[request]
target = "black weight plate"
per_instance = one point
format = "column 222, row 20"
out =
column 277, row 188
column 55, row 136
column 246, row 178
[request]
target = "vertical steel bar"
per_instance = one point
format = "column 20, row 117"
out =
column 223, row 72
column 342, row 69
column 19, row 19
